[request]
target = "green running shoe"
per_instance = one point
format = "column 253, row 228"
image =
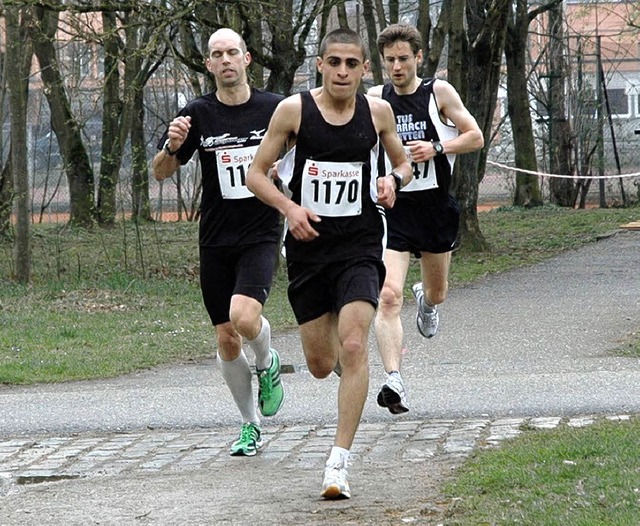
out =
column 271, row 391
column 249, row 442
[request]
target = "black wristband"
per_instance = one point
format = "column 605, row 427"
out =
column 398, row 179
column 169, row 150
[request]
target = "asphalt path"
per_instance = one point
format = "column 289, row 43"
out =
column 531, row 342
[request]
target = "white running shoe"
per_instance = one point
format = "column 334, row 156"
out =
column 392, row 395
column 427, row 318
column 335, row 485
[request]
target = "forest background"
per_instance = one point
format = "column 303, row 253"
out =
column 88, row 87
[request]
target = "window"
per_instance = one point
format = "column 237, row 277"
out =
column 619, row 102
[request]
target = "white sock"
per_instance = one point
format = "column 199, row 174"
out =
column 338, row 456
column 237, row 375
column 394, row 373
column 262, row 345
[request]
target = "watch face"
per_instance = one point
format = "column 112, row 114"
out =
column 438, row 147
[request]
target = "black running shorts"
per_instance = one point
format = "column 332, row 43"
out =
column 315, row 290
column 225, row 271
column 419, row 229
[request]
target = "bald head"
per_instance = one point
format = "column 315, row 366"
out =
column 227, row 35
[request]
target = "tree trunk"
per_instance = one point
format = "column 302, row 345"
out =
column 112, row 111
column 486, row 28
column 562, row 189
column 394, row 11
column 254, row 40
column 382, row 19
column 324, row 22
column 67, row 130
column 372, row 35
column 17, row 47
column 440, row 32
column 341, row 9
column 6, row 195
column 288, row 41
column 527, row 185
column 140, row 168
column 6, row 173
column 424, row 27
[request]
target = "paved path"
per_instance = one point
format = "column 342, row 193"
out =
column 525, row 347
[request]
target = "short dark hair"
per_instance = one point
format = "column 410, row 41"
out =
column 400, row 32
column 342, row 36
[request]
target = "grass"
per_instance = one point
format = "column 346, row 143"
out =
column 109, row 302
column 582, row 477
column 106, row 302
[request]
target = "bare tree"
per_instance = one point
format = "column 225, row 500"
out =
column 394, row 11
column 6, row 174
column 477, row 51
column 374, row 56
column 65, row 126
column 6, row 193
column 288, row 29
column 527, row 192
column 115, row 122
column 137, row 36
column 438, row 37
column 17, row 52
column 562, row 189
column 424, row 26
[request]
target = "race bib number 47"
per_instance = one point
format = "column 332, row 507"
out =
column 332, row 189
column 233, row 165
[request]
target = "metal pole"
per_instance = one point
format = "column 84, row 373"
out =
column 600, row 143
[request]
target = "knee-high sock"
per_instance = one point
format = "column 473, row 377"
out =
column 237, row 375
column 262, row 344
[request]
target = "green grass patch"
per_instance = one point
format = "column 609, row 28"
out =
column 105, row 302
column 630, row 347
column 582, row 477
column 518, row 237
column 56, row 335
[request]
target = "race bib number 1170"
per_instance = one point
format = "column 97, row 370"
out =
column 332, row 189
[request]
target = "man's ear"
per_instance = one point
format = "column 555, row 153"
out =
column 319, row 64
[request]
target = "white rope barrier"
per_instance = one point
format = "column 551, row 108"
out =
column 542, row 174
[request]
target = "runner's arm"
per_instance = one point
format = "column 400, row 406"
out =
column 284, row 123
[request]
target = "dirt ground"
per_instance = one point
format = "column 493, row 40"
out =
column 237, row 493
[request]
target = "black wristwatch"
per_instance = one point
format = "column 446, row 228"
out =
column 169, row 150
column 437, row 146
column 398, row 179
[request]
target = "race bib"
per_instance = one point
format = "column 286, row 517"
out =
column 424, row 174
column 332, row 189
column 233, row 164
column 424, row 177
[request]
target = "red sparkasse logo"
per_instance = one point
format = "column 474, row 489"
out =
column 313, row 169
column 225, row 157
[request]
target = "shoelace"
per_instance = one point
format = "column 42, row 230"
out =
column 426, row 310
column 248, row 434
column 339, row 471
column 266, row 385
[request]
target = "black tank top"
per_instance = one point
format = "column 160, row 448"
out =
column 326, row 156
column 418, row 119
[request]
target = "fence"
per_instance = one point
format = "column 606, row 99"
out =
column 177, row 198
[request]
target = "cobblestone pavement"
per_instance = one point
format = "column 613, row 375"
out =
column 26, row 461
column 153, row 448
column 186, row 477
